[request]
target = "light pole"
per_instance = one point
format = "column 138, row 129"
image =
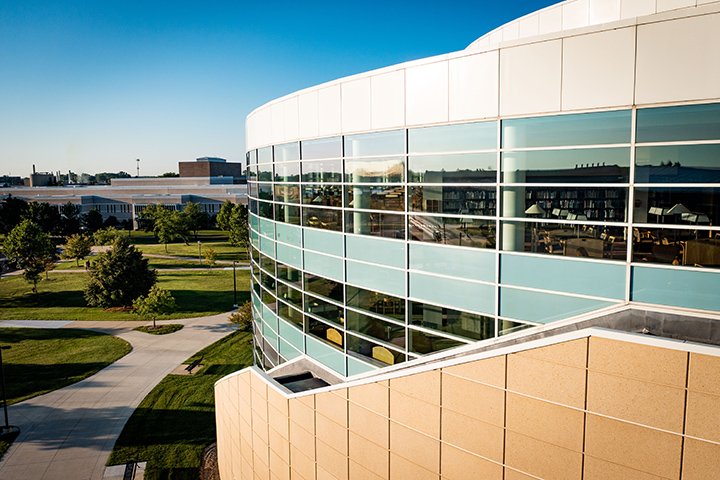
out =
column 235, row 304
column 7, row 428
column 199, row 251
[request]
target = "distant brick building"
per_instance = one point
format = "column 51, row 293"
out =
column 212, row 167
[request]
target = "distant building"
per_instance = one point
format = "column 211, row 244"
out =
column 9, row 181
column 42, row 179
column 212, row 167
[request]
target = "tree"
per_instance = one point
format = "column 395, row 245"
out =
column 169, row 174
column 106, row 236
column 119, row 276
column 12, row 211
column 92, row 221
column 46, row 216
column 78, row 247
column 210, row 256
column 31, row 249
column 233, row 218
column 243, row 317
column 69, row 219
column 157, row 302
column 193, row 217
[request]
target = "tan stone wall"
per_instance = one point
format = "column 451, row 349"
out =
column 591, row 408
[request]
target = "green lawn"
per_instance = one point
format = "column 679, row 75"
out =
column 197, row 293
column 223, row 250
column 176, row 421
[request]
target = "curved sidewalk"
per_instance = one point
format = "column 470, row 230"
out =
column 69, row 433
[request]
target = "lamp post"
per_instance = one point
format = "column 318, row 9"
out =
column 235, row 304
column 199, row 251
column 7, row 428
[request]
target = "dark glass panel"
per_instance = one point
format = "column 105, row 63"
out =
column 268, row 281
column 290, row 314
column 678, row 164
column 375, row 170
column 375, row 224
column 265, row 172
column 581, row 203
column 464, row 232
column 453, row 168
column 287, row 152
column 322, row 171
column 255, row 253
column 287, row 193
column 687, row 122
column 375, row 353
column 253, row 206
column 267, row 264
column 507, row 326
column 375, row 198
column 462, row 324
column 376, row 328
column 325, row 195
column 570, row 240
column 378, row 143
column 593, row 165
column 289, row 294
column 265, row 210
column 376, row 302
column 454, row 200
column 324, row 286
column 700, row 248
column 265, row 191
column 578, row 129
column 322, row 148
column 453, row 138
column 424, row 343
column 289, row 274
column 329, row 334
column 287, row 172
column 287, row 213
column 323, row 218
column 324, row 309
column 269, row 300
column 683, row 206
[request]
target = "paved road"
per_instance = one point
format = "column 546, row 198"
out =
column 68, row 434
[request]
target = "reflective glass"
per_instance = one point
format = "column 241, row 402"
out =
column 324, row 286
column 325, row 195
column 253, row 205
column 667, row 286
column 265, row 209
column 423, row 343
column 322, row 148
column 322, row 218
column 377, row 354
column 328, row 243
column 265, row 191
column 268, row 299
column 252, row 172
column 287, row 152
column 570, row 240
column 376, row 277
column 375, row 198
column 332, row 358
column 543, row 307
column 453, row 138
column 376, row 224
column 507, row 327
column 453, row 200
column 592, row 165
column 268, row 281
column 289, row 274
column 322, row 171
column 578, row 129
column 375, row 250
column 476, row 264
column 287, row 193
column 700, row 248
column 252, row 157
column 678, row 164
column 252, row 189
column 287, row 172
column 265, row 172
column 289, row 294
column 682, row 206
column 376, row 302
column 453, row 168
column 375, row 170
column 462, row 324
column 267, row 264
column 581, row 203
column 289, row 255
column 378, row 143
column 464, row 232
column 324, row 309
column 329, row 334
column 287, row 213
column 376, row 328
column 452, row 292
column 687, row 122
column 264, row 155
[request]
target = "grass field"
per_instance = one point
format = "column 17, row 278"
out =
column 197, row 293
column 176, row 421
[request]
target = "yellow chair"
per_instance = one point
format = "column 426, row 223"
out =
column 384, row 355
column 334, row 336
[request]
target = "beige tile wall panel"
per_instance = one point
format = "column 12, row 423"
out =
column 329, row 111
column 637, row 8
column 456, row 464
column 290, row 118
column 490, row 371
column 333, row 406
column 703, row 416
column 550, row 381
column 678, row 59
column 572, row 353
column 647, row 450
column 245, row 430
column 372, row 396
column 278, row 421
column 261, row 470
column 301, row 463
column 279, row 445
column 701, row 460
column 260, row 448
column 302, row 440
column 479, row 401
column 308, row 115
column 511, row 474
column 246, row 470
column 402, row 468
column 548, row 422
column 415, row 447
column 405, row 410
column 541, row 459
column 596, row 469
column 704, row 373
column 356, row 105
column 246, row 450
column 473, row 89
column 366, row 453
column 426, row 93
column 302, row 414
column 279, row 467
column 358, row 472
column 598, row 69
column 388, row 100
column 603, row 11
column 331, row 433
column 473, row 435
column 330, row 460
column 650, row 364
column 369, row 425
column 646, row 403
column 277, row 401
column 423, row 386
column 530, row 78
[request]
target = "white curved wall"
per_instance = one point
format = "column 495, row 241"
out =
column 664, row 57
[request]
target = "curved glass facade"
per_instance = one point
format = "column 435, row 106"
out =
column 372, row 249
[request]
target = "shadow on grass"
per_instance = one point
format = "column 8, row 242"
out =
column 204, row 300
column 16, row 335
column 222, row 370
column 23, row 381
column 66, row 298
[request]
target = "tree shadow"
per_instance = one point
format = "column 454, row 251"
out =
column 67, row 298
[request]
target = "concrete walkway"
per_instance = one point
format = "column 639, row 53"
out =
column 68, row 434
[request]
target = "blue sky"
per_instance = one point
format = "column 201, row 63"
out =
column 90, row 86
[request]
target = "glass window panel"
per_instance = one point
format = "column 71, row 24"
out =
column 267, row 228
column 289, row 294
column 252, row 189
column 678, row 164
column 326, row 310
column 289, row 255
column 289, row 274
column 376, row 328
column 667, row 286
column 462, row 324
column 375, row 170
column 376, row 302
column 464, row 232
column 287, row 193
column 687, row 122
column 267, row 264
column 288, row 233
column 265, row 172
column 593, row 165
column 267, row 246
column 265, row 210
column 543, row 307
column 581, row 203
column 264, row 155
column 287, row 152
column 578, row 129
column 325, row 219
column 377, row 354
column 700, row 248
column 376, row 224
column 453, row 168
column 375, row 250
column 424, row 343
column 322, row 171
column 378, row 143
column 268, row 281
column 253, row 206
column 507, row 326
column 322, row 148
column 453, row 138
column 682, row 206
column 255, row 255
column 287, row 172
column 265, row 191
column 325, row 195
column 287, row 351
column 376, row 277
column 325, row 332
column 455, row 293
column 291, row 330
column 328, row 356
column 570, row 240
column 287, row 214
column 329, row 243
column 453, row 200
column 324, row 286
column 375, row 198
column 252, row 156
column 465, row 263
column 252, row 173
column 268, row 299
column 357, row 367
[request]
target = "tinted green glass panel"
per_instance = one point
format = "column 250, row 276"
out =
column 678, row 164
column 325, row 242
column 326, row 355
column 460, row 294
column 593, row 165
column 688, row 122
column 288, row 234
column 376, row 250
column 323, row 265
column 357, row 367
column 680, row 288
column 455, row 322
column 289, row 255
column 544, row 307
column 287, row 351
column 376, row 278
column 471, row 264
